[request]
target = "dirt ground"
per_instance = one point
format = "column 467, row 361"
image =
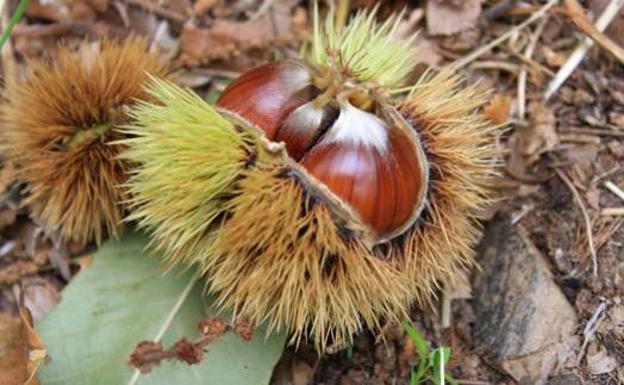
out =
column 562, row 161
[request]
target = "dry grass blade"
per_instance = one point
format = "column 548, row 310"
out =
column 588, row 225
column 575, row 12
column 612, row 211
column 460, row 63
column 615, row 189
column 522, row 77
column 579, row 53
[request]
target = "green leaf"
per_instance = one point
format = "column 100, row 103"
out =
column 123, row 298
column 415, row 379
column 422, row 348
column 19, row 12
column 439, row 359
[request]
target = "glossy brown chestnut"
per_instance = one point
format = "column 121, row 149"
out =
column 373, row 166
column 372, row 163
column 265, row 95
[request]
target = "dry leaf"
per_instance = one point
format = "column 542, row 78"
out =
column 592, row 196
column 497, row 110
column 13, row 351
column 428, row 52
column 39, row 298
column 227, row 38
column 61, row 10
column 446, row 18
column 601, row 362
column 7, row 176
column 554, row 58
column 21, row 350
column 14, row 272
column 528, row 143
column 202, row 6
column 36, row 348
column 616, row 118
column 7, row 216
column 302, row 372
column 541, row 135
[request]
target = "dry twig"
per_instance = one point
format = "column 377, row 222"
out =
column 528, row 53
column 592, row 131
column 577, row 56
column 592, row 325
column 460, row 63
column 612, row 211
column 576, row 14
column 588, row 225
column 614, row 189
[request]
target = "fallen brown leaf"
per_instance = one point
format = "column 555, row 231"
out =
column 39, row 298
column 541, row 134
column 13, row 351
column 36, row 348
column 446, row 17
column 601, row 362
column 7, row 176
column 302, row 372
column 497, row 110
column 592, row 196
column 15, row 271
column 554, row 58
column 61, row 10
column 202, row 6
column 226, row 38
column 21, row 350
column 528, row 143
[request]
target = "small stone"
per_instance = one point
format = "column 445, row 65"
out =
column 617, row 118
column 601, row 362
column 618, row 96
column 525, row 323
column 617, row 148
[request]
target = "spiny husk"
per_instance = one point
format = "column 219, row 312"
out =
column 272, row 245
column 57, row 120
column 364, row 49
column 459, row 142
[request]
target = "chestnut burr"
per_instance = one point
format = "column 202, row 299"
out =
column 370, row 160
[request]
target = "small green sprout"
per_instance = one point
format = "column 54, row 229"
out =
column 431, row 363
column 19, row 12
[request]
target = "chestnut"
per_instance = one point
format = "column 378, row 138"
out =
column 363, row 151
column 267, row 94
column 322, row 195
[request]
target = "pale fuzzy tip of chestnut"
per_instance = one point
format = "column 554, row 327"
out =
column 370, row 50
column 359, row 128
